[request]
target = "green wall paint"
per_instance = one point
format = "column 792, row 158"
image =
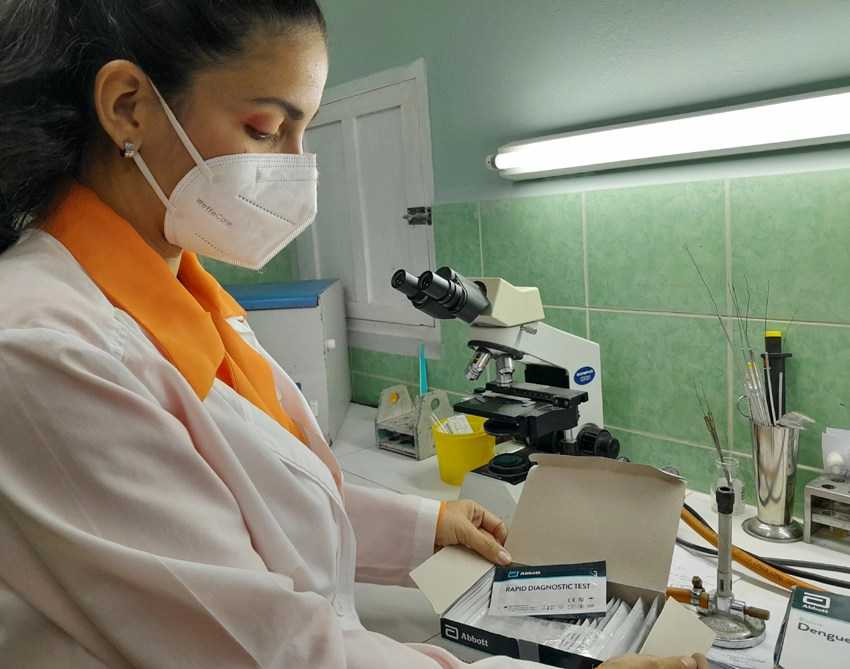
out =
column 648, row 310
column 503, row 70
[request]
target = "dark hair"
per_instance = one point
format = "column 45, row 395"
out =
column 51, row 52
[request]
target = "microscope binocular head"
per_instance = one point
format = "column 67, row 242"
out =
column 443, row 294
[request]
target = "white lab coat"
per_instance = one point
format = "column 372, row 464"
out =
column 141, row 527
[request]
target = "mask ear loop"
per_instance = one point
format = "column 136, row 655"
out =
column 145, row 170
column 199, row 161
column 184, row 138
column 187, row 143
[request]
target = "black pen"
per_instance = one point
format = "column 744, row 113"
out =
column 774, row 363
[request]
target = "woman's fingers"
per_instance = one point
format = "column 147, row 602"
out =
column 494, row 525
column 702, row 661
column 484, row 543
column 467, row 523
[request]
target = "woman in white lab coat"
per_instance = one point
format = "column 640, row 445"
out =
column 166, row 498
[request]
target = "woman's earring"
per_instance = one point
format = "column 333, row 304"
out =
column 129, row 150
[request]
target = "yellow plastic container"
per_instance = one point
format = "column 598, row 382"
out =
column 458, row 454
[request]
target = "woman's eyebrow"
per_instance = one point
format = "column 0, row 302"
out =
column 294, row 112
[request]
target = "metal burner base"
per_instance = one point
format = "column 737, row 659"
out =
column 732, row 632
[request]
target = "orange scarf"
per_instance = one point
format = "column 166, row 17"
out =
column 186, row 315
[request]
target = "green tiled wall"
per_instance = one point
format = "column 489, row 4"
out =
column 614, row 262
column 536, row 242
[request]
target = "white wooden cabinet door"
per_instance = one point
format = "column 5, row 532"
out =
column 374, row 164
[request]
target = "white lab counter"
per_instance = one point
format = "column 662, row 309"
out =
column 405, row 615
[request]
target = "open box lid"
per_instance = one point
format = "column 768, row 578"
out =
column 575, row 510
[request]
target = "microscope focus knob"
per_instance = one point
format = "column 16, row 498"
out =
column 596, row 442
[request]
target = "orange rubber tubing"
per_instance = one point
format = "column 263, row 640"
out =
column 753, row 564
column 683, row 595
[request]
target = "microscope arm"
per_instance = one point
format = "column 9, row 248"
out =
column 543, row 344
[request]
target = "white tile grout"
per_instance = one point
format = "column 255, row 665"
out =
column 662, row 437
column 730, row 394
column 807, row 468
column 799, row 322
column 727, row 207
column 682, row 442
column 730, row 362
column 480, row 239
column 640, row 312
column 481, row 256
column 386, row 378
column 686, row 314
column 586, row 264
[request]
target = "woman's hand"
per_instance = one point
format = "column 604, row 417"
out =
column 469, row 524
column 653, row 662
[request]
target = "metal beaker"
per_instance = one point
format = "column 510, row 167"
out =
column 775, row 460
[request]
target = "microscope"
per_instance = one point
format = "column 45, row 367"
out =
column 557, row 409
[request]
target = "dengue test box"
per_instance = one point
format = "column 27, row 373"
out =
column 816, row 628
column 573, row 511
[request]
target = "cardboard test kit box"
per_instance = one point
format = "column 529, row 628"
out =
column 575, row 510
column 816, row 625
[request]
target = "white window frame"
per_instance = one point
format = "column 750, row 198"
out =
column 384, row 336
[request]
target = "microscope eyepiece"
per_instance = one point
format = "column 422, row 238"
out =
column 436, row 287
column 456, row 293
column 442, row 294
column 406, row 283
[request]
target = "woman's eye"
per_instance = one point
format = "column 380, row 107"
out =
column 260, row 136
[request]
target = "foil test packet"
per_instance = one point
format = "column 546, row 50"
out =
column 569, row 591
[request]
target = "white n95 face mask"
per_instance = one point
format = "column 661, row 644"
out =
column 241, row 209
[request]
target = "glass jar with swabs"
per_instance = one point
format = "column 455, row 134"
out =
column 726, row 470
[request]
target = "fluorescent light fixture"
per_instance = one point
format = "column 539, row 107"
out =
column 778, row 124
